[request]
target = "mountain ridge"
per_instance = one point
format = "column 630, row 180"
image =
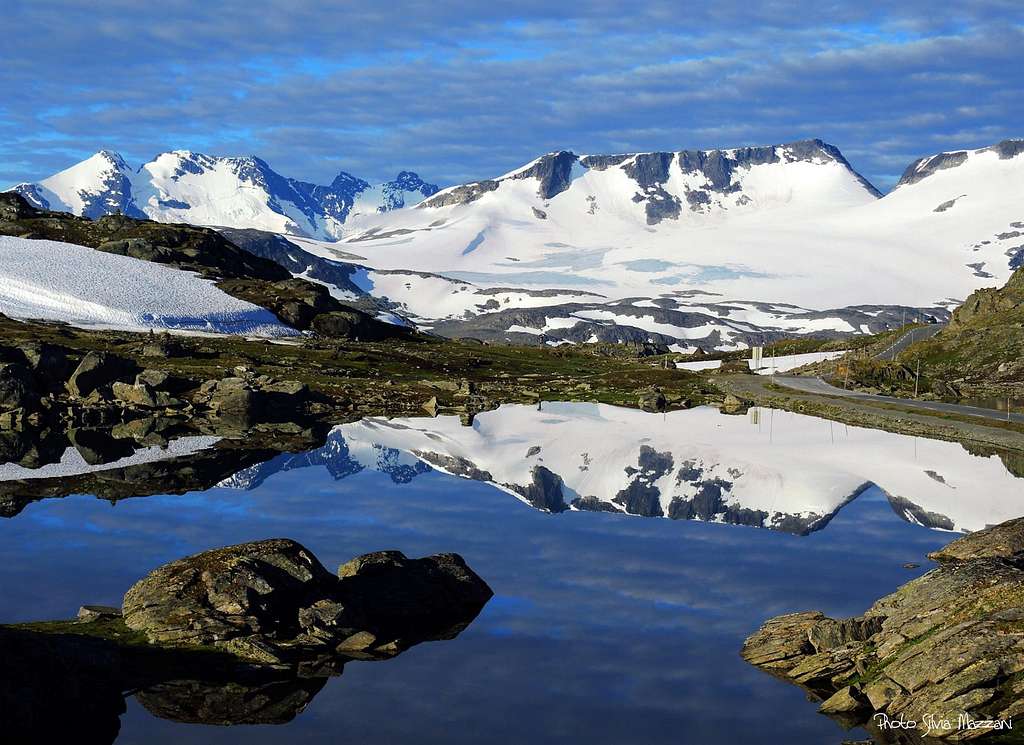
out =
column 231, row 191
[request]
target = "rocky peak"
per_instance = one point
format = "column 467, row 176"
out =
column 924, row 167
column 409, row 181
column 554, row 171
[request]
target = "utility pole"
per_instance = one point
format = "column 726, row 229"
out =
column 917, row 379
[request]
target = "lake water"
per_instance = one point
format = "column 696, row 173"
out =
column 605, row 627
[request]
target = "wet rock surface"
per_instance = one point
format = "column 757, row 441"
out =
column 947, row 647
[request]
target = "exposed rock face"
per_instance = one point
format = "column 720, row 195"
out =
column 553, row 171
column 355, row 325
column 544, row 491
column 269, row 601
column 1008, row 148
column 460, row 194
column 948, row 645
column 921, row 168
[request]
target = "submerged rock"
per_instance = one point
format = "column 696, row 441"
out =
column 948, row 645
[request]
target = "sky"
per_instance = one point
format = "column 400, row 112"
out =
column 458, row 90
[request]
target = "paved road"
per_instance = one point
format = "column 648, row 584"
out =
column 819, row 386
column 919, row 333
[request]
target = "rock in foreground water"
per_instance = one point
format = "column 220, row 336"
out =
column 272, row 601
column 945, row 651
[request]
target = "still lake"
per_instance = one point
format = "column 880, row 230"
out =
column 604, row 627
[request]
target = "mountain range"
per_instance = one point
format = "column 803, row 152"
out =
column 689, row 248
column 245, row 192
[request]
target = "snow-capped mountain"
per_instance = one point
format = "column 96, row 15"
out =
column 99, row 185
column 713, row 249
column 183, row 186
column 781, row 224
column 771, row 469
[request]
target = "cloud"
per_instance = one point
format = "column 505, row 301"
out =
column 462, row 90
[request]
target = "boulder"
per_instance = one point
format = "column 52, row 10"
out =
column 90, row 613
column 352, row 324
column 17, row 388
column 653, row 401
column 156, row 379
column 412, row 599
column 97, row 370
column 846, row 700
column 735, row 405
column 138, row 394
column 250, row 589
column 285, row 398
column 234, row 398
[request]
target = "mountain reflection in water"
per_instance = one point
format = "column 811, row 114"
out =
column 603, row 629
column 768, row 469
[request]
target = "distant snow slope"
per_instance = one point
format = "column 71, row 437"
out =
column 770, row 469
column 84, row 287
column 791, row 223
column 238, row 192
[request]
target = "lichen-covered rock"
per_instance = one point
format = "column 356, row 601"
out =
column 1005, row 540
column 949, row 645
column 244, row 590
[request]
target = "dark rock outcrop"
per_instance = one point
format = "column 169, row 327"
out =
column 553, row 171
column 544, row 490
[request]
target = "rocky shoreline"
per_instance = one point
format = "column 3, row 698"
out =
column 943, row 655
